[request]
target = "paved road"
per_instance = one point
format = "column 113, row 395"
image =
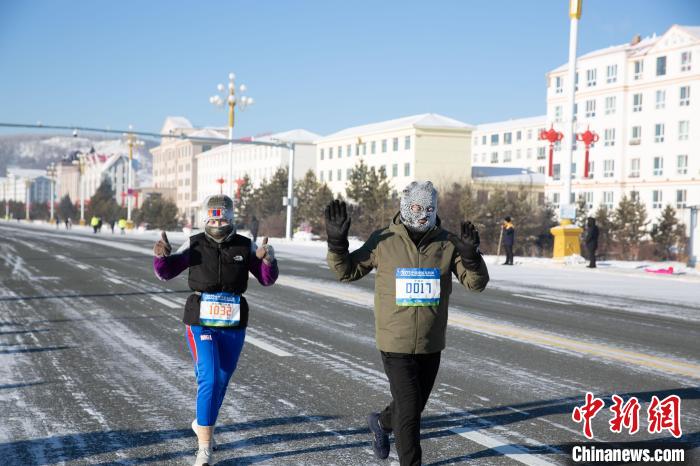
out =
column 94, row 367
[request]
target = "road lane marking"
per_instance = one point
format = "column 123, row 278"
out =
column 548, row 300
column 266, row 346
column 364, row 298
column 165, row 302
column 115, row 280
column 505, row 449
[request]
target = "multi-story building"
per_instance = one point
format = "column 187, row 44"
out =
column 640, row 99
column 259, row 162
column 22, row 184
column 511, row 143
column 420, row 147
column 174, row 164
column 97, row 167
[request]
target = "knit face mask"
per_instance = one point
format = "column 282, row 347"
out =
column 218, row 207
column 419, row 206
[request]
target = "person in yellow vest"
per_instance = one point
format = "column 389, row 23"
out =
column 122, row 225
column 94, row 223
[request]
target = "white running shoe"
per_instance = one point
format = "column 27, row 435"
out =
column 204, row 457
column 213, row 440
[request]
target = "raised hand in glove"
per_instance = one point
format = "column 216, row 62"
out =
column 337, row 226
column 265, row 252
column 162, row 248
column 467, row 244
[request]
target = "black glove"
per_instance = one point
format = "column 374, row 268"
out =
column 337, row 226
column 467, row 244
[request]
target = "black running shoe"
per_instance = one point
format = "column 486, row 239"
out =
column 380, row 442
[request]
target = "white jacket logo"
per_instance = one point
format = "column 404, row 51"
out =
column 238, row 259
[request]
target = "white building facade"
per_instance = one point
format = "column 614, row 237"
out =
column 258, row 162
column 420, row 147
column 511, row 143
column 640, row 98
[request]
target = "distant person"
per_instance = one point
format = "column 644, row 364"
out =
column 99, row 224
column 254, row 225
column 111, row 225
column 94, row 222
column 58, row 222
column 69, row 223
column 508, row 239
column 122, row 225
column 591, row 241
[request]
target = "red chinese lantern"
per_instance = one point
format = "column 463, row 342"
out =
column 588, row 138
column 552, row 136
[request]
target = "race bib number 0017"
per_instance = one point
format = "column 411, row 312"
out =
column 220, row 309
column 417, row 287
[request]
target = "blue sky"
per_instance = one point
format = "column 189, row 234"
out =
column 318, row 65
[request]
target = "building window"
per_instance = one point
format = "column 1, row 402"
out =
column 340, row 152
column 660, row 66
column 321, row 154
column 494, row 157
column 557, row 113
column 591, row 170
column 507, row 138
column 330, row 175
column 349, row 151
column 528, row 152
column 483, row 140
column 608, row 168
column 364, row 148
column 348, row 173
column 657, row 198
column 609, row 137
column 507, row 156
column 541, row 153
column 573, row 171
column 634, row 168
column 519, row 136
column 518, row 153
column 373, row 147
column 529, row 134
column 683, row 130
column 407, row 142
column 395, row 170
column 658, row 166
column 590, row 108
column 540, row 169
column 591, row 77
column 494, row 139
column 340, row 174
column 320, row 175
column 556, row 171
column 612, row 74
column 660, row 99
column 610, row 104
column 637, row 103
column 685, row 96
column 382, row 169
column 636, row 135
column 576, row 81
column 555, row 200
column 634, row 196
column 395, row 144
column 685, row 61
column 638, row 69
column 682, row 164
column 681, row 198
column 659, row 132
column 608, row 199
column 330, row 153
column 383, row 145
column 406, row 169
column 558, row 85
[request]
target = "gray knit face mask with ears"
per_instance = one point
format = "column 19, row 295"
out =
column 419, row 206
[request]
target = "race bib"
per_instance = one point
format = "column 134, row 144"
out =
column 220, row 309
column 417, row 287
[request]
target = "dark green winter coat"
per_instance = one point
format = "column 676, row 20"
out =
column 408, row 329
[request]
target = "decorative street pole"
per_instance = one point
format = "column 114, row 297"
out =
column 28, row 185
column 552, row 136
column 131, row 142
column 81, row 181
column 290, row 193
column 569, row 130
column 232, row 100
column 588, row 137
column 51, row 172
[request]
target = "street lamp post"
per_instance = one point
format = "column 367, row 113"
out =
column 27, row 185
column 51, row 173
column 131, row 142
column 81, row 181
column 229, row 97
column 569, row 130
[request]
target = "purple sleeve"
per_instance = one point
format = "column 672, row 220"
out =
column 265, row 273
column 169, row 267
